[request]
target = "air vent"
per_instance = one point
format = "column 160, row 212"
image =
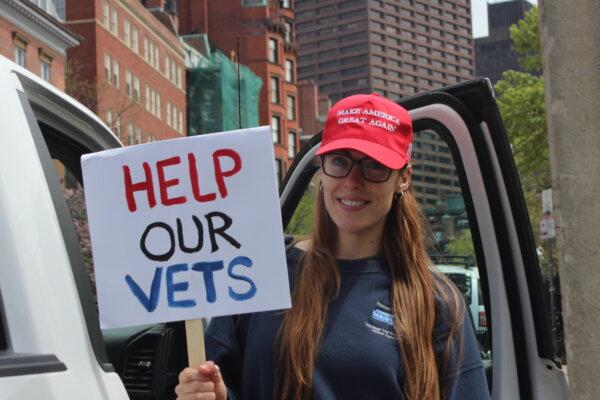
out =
column 152, row 362
column 138, row 371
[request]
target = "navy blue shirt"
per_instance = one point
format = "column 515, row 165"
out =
column 359, row 356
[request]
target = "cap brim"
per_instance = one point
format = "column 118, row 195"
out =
column 376, row 151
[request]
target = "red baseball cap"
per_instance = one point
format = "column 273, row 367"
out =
column 371, row 124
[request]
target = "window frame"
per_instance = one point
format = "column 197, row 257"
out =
column 291, row 108
column 275, row 89
column 289, row 71
column 273, row 51
column 276, row 133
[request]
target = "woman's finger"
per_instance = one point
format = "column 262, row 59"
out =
column 193, row 374
column 198, row 396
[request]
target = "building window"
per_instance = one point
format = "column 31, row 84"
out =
column 276, row 128
column 128, row 83
column 138, row 135
column 130, row 133
column 109, row 118
column 274, row 89
column 167, row 67
column 180, row 121
column 20, row 57
column 20, row 42
column 45, row 70
column 150, row 58
column 147, row 98
column 174, row 72
column 115, row 77
column 156, row 57
column 291, row 108
column 105, row 15
column 152, row 101
column 114, row 22
column 286, row 3
column 152, row 53
column 273, row 53
column 291, row 144
column 253, row 3
column 135, row 40
column 168, row 112
column 289, row 71
column 158, row 108
column 117, row 129
column 279, row 170
column 136, row 89
column 288, row 33
column 45, row 66
column 127, row 32
column 107, row 67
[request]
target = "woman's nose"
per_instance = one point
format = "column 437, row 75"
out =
column 355, row 176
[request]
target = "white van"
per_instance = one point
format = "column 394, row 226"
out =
column 467, row 281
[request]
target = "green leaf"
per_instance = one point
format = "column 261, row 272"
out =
column 526, row 40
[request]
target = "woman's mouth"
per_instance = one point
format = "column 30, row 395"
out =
column 352, row 204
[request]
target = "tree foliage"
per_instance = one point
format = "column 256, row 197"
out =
column 303, row 219
column 461, row 245
column 526, row 41
column 522, row 106
column 77, row 86
column 521, row 100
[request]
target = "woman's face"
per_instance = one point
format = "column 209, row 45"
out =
column 356, row 205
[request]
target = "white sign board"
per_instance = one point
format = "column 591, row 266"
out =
column 186, row 228
column 547, row 227
column 547, row 205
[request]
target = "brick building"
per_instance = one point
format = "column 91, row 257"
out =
column 313, row 107
column 267, row 47
column 395, row 48
column 32, row 36
column 494, row 53
column 134, row 65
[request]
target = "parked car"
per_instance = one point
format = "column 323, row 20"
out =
column 51, row 343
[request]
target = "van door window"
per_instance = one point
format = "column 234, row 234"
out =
column 438, row 189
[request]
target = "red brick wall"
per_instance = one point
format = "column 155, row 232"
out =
column 100, row 41
column 193, row 17
column 32, row 53
column 228, row 19
column 307, row 92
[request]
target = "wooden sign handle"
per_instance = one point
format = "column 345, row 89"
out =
column 194, row 333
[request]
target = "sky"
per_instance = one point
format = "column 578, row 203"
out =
column 479, row 14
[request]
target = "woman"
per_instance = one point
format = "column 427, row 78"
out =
column 369, row 319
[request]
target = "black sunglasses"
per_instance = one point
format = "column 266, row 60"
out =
column 339, row 165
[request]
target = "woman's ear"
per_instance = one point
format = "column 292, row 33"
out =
column 405, row 178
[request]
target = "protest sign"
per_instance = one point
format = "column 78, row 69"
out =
column 186, row 228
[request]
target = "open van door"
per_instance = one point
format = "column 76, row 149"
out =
column 468, row 182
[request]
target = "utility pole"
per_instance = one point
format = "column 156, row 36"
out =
column 571, row 58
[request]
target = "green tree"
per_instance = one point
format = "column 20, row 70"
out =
column 520, row 97
column 461, row 245
column 526, row 40
column 302, row 220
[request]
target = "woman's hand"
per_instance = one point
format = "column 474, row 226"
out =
column 204, row 383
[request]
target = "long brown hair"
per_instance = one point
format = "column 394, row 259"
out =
column 413, row 297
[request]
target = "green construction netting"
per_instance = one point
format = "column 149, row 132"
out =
column 213, row 96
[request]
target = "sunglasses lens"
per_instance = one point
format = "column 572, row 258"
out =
column 339, row 166
column 375, row 171
column 336, row 165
